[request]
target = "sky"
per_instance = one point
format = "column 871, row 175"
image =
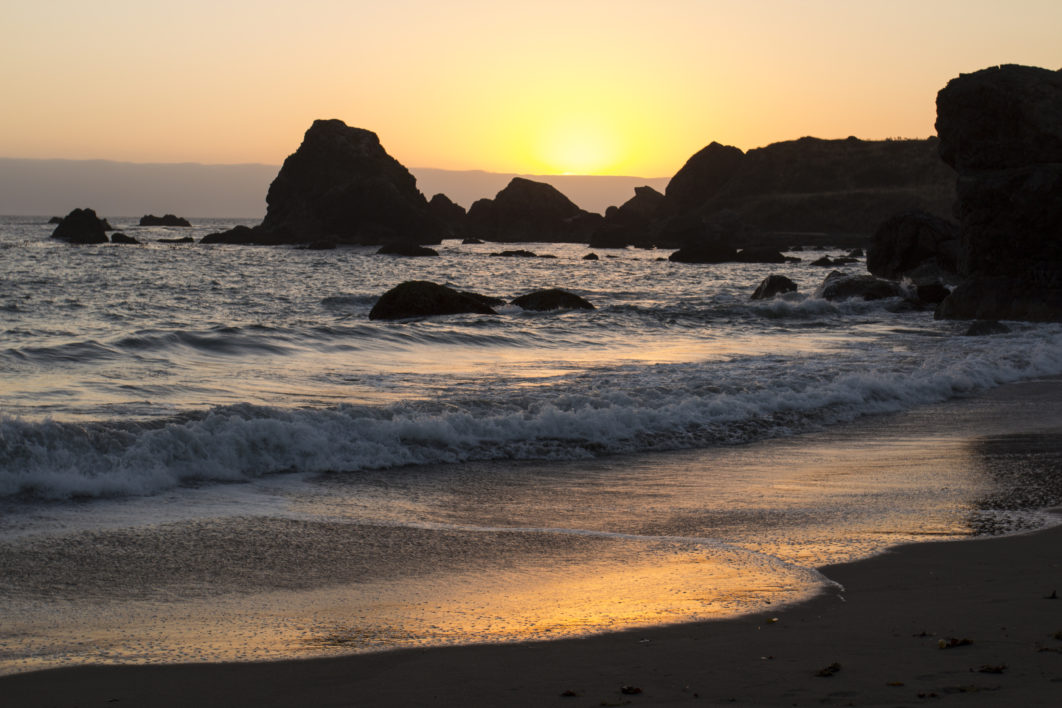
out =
column 536, row 87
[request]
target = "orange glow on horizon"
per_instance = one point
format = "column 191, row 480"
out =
column 594, row 87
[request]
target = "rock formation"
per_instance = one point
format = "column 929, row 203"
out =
column 773, row 285
column 450, row 215
column 1001, row 129
column 119, row 237
column 167, row 220
column 838, row 286
column 916, row 245
column 82, row 226
column 553, row 299
column 529, row 211
column 421, row 298
column 628, row 224
column 341, row 185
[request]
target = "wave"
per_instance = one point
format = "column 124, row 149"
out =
column 661, row 407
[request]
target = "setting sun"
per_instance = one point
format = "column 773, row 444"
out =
column 576, row 145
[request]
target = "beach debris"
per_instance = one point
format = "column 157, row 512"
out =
column 630, row 690
column 951, row 642
column 569, row 694
column 829, row 670
column 772, row 620
column 991, row 669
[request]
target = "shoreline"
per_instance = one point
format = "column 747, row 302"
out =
column 879, row 640
column 883, row 631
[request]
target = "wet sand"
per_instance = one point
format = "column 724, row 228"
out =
column 976, row 622
column 882, row 636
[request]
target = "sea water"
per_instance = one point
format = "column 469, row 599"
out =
column 211, row 452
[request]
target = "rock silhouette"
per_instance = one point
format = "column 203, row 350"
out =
column 82, row 226
column 421, row 298
column 530, row 211
column 341, row 185
column 1001, row 129
column 166, row 220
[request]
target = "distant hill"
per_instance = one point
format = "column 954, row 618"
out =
column 54, row 187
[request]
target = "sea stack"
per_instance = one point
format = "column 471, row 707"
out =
column 342, row 186
column 1001, row 130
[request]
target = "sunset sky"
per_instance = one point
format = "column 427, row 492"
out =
column 542, row 87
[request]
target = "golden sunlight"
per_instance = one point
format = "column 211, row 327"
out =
column 576, row 145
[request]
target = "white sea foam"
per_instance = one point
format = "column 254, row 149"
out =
column 626, row 409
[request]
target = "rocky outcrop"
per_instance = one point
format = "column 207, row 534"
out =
column 829, row 190
column 341, row 185
column 553, row 299
column 629, row 223
column 82, row 226
column 1001, row 129
column 702, row 177
column 916, row 245
column 759, row 254
column 774, row 285
column 838, row 286
column 530, row 211
column 450, row 215
column 421, row 298
column 166, row 220
column 519, row 253
column 119, row 237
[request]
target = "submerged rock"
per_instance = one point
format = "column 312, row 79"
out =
column 553, row 299
column 119, row 237
column 983, row 328
column 707, row 251
column 410, row 250
column 421, row 298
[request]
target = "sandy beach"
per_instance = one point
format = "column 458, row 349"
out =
column 973, row 621
column 960, row 623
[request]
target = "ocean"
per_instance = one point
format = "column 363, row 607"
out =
column 211, row 453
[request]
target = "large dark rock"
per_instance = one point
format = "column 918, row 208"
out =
column 530, row 211
column 838, row 286
column 166, row 220
column 843, row 188
column 914, row 240
column 774, row 285
column 81, row 226
column 1001, row 129
column 341, row 185
column 119, row 237
column 701, row 178
column 553, row 299
column 420, row 298
column 629, row 223
column 451, row 215
column 1001, row 117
